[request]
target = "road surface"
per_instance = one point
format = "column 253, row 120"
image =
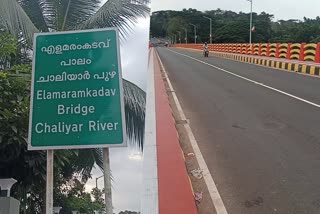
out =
column 257, row 128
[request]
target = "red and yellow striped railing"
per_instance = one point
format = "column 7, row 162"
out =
column 290, row 51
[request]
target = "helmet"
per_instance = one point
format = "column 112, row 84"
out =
column 205, row 43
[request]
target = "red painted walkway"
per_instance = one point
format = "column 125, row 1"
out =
column 175, row 192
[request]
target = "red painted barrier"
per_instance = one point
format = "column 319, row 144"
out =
column 290, row 51
column 317, row 57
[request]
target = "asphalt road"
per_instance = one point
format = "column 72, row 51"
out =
column 262, row 146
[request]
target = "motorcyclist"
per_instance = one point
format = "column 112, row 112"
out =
column 205, row 47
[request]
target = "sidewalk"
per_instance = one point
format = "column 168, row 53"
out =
column 167, row 187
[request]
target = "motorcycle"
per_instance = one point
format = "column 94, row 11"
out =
column 206, row 52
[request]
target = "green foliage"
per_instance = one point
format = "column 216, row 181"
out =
column 176, row 23
column 8, row 49
column 29, row 168
column 25, row 17
column 14, row 111
column 71, row 195
column 231, row 27
column 315, row 39
column 21, row 69
column 8, row 45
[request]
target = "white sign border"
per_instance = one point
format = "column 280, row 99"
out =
column 124, row 131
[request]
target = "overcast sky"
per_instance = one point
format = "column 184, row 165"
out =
column 281, row 9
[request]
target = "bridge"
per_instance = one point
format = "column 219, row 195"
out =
column 251, row 120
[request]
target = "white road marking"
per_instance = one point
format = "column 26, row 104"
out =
column 212, row 188
column 250, row 80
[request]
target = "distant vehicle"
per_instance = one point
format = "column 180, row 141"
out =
column 206, row 52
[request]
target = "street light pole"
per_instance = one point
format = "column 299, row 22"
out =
column 179, row 32
column 210, row 27
column 250, row 40
column 186, row 38
column 97, row 180
column 175, row 38
column 195, row 33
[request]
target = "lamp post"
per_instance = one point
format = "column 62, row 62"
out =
column 250, row 40
column 97, row 180
column 175, row 38
column 56, row 210
column 210, row 27
column 179, row 32
column 186, row 38
column 5, row 186
column 195, row 33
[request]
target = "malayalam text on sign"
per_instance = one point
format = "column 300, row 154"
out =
column 77, row 94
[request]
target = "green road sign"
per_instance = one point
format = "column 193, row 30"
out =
column 77, row 93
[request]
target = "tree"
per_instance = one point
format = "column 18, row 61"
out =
column 72, row 196
column 8, row 48
column 176, row 24
column 232, row 27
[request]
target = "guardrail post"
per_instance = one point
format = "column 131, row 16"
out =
column 301, row 56
column 278, row 50
column 260, row 49
column 289, row 51
column 317, row 58
column 243, row 49
column 268, row 50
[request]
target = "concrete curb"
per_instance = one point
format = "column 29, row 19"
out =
column 167, row 188
column 175, row 192
column 289, row 66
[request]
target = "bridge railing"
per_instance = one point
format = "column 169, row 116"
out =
column 290, row 51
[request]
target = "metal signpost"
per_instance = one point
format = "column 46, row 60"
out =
column 77, row 95
column 195, row 33
column 210, row 27
column 250, row 36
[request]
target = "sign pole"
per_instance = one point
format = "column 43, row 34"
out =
column 107, row 181
column 49, row 189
